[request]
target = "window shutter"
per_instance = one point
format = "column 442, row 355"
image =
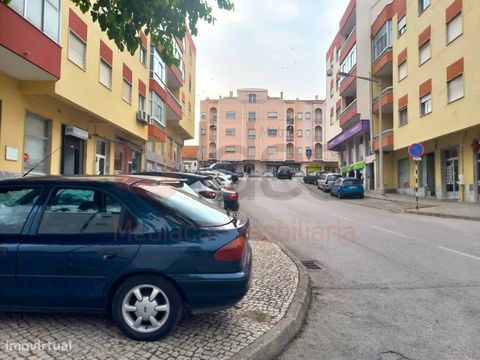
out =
column 105, row 74
column 454, row 28
column 76, row 50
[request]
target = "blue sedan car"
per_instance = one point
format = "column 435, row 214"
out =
column 347, row 187
column 143, row 251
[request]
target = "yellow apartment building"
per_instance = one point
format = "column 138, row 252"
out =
column 426, row 55
column 72, row 103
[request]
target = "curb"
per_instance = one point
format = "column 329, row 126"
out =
column 274, row 341
column 445, row 216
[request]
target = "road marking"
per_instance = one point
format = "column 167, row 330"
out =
column 391, row 232
column 458, row 252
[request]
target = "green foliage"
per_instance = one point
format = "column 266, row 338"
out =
column 163, row 20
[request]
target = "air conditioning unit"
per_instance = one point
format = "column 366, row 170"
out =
column 143, row 117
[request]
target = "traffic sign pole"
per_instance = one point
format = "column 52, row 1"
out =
column 416, row 184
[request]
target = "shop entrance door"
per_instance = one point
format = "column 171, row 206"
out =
column 451, row 171
column 101, row 158
column 73, row 155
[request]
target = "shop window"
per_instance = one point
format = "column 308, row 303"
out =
column 36, row 146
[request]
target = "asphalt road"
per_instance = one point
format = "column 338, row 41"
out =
column 392, row 285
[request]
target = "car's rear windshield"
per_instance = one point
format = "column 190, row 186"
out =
column 351, row 182
column 333, row 177
column 197, row 211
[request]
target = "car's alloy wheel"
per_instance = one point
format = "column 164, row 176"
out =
column 147, row 307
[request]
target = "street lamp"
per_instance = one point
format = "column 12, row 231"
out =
column 380, row 135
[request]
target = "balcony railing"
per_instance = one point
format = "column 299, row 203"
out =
column 348, row 113
column 387, row 98
column 289, row 137
column 290, row 120
column 318, row 121
column 318, row 156
column 213, row 137
column 212, row 155
column 347, row 44
column 213, row 119
column 318, row 138
column 387, row 141
column 290, row 156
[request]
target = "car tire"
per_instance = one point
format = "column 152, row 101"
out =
column 361, row 196
column 127, row 309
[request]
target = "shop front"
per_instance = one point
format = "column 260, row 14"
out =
column 354, row 170
column 74, row 142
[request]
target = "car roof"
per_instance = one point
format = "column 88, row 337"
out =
column 178, row 175
column 350, row 178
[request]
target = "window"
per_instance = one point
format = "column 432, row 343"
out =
column 252, row 133
column 299, row 133
column 157, row 108
column 350, row 61
column 230, row 149
column 127, row 91
column 402, row 71
column 36, row 143
column 299, row 116
column 403, row 116
column 77, row 50
column 230, row 115
column 203, row 132
column 272, row 150
column 454, row 28
column 252, row 116
column 141, row 102
column 143, row 55
column 204, row 115
column 422, row 5
column 105, row 74
column 251, row 151
column 230, row 132
column 299, row 150
column 382, row 40
column 402, row 25
column 157, row 66
column 424, row 52
column 272, row 132
column 272, row 115
column 331, row 118
column 83, row 211
column 308, row 116
column 455, row 89
column 15, row 205
column 252, row 98
column 308, row 134
column 426, row 104
column 44, row 14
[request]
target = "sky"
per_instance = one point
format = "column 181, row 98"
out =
column 279, row 45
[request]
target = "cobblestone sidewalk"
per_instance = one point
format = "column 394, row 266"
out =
column 211, row 336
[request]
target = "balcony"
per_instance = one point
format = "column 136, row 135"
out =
column 213, row 119
column 290, row 137
column 290, row 120
column 290, row 156
column 318, row 121
column 212, row 137
column 212, row 155
column 318, row 138
column 348, row 83
column 387, row 141
column 350, row 41
column 382, row 66
column 387, row 102
column 349, row 114
column 174, row 108
column 173, row 76
column 26, row 53
column 318, row 156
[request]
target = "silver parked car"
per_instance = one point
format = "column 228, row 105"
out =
column 326, row 181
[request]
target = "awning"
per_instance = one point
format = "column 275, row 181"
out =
column 361, row 126
column 356, row 166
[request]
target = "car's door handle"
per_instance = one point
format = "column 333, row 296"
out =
column 3, row 250
column 110, row 254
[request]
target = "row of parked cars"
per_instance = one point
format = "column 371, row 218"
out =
column 336, row 184
column 146, row 248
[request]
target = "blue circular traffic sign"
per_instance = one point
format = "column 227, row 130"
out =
column 416, row 150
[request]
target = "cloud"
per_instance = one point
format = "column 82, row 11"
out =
column 275, row 44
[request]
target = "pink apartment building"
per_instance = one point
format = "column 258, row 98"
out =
column 259, row 132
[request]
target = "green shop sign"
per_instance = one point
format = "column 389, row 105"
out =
column 357, row 166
